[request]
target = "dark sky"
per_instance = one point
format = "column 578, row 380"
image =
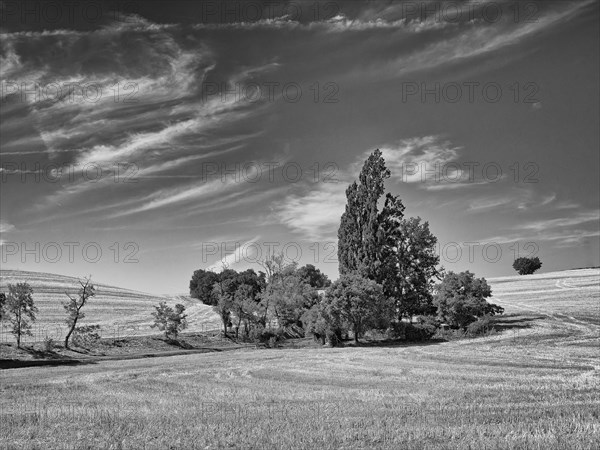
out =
column 190, row 131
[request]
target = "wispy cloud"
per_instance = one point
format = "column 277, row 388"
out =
column 177, row 195
column 578, row 219
column 243, row 253
column 316, row 214
column 5, row 227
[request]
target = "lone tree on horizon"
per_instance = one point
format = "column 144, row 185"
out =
column 527, row 266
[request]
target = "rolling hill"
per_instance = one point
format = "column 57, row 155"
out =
column 120, row 312
column 570, row 296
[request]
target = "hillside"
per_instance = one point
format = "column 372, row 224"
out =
column 570, row 295
column 567, row 295
column 120, row 312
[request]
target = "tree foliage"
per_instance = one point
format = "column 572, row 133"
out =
column 288, row 292
column 21, row 309
column 461, row 299
column 313, row 277
column 201, row 286
column 410, row 267
column 527, row 266
column 356, row 303
column 171, row 321
column 358, row 240
column 2, row 305
column 75, row 305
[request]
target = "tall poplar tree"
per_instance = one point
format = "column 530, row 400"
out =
column 394, row 251
column 358, row 240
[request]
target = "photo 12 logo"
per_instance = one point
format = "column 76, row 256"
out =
column 257, row 252
column 66, row 12
column 67, row 93
column 489, row 252
column 271, row 91
column 71, row 252
column 468, row 172
column 469, row 92
column 120, row 172
column 253, row 172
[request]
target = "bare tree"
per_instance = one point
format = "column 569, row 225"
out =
column 76, row 304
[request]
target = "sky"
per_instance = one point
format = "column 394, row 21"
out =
column 140, row 142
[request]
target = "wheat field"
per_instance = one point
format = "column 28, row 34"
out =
column 532, row 385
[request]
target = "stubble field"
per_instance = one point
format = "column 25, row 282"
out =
column 534, row 384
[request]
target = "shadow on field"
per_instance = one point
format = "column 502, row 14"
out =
column 394, row 343
column 515, row 322
column 177, row 343
column 16, row 363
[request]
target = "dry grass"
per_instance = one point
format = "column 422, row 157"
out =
column 535, row 385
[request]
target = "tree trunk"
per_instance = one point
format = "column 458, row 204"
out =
column 237, row 329
column 356, row 335
column 19, row 329
column 70, row 333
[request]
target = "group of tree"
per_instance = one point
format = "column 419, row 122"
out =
column 250, row 302
column 21, row 311
column 389, row 274
column 389, row 270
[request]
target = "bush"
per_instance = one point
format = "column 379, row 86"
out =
column 49, row 344
column 270, row 338
column 481, row 326
column 422, row 331
column 396, row 330
column 451, row 335
column 419, row 332
column 86, row 336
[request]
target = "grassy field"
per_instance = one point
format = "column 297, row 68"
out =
column 533, row 385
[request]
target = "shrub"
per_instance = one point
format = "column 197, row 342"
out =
column 481, row 326
column 270, row 338
column 419, row 332
column 86, row 336
column 451, row 335
column 396, row 330
column 333, row 338
column 272, row 342
column 49, row 344
column 422, row 331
